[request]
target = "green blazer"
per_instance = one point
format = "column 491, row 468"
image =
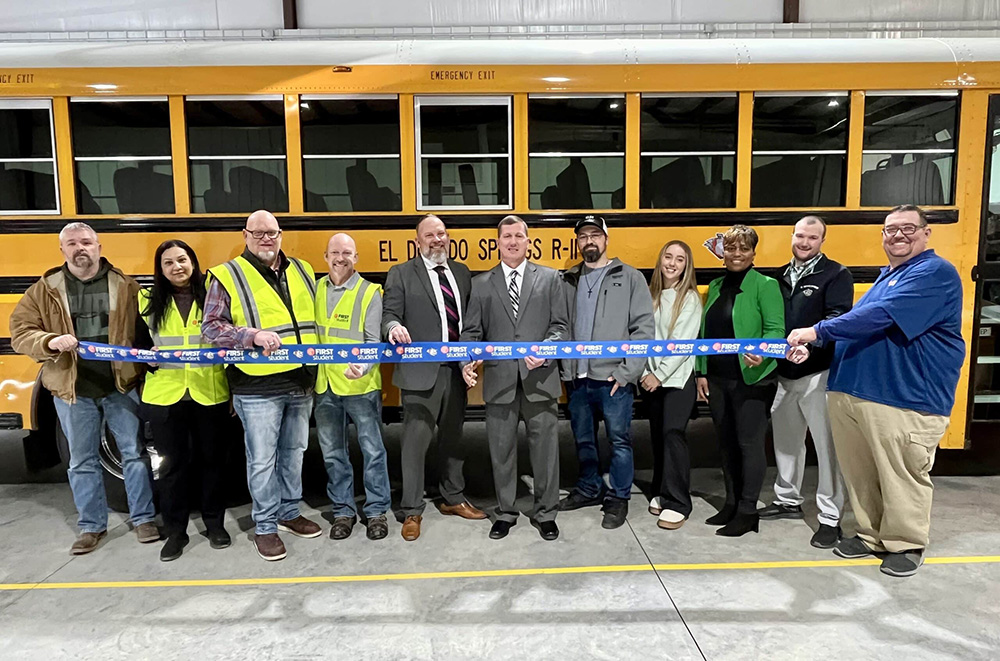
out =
column 758, row 312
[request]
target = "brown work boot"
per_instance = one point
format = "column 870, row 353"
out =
column 270, row 547
column 300, row 526
column 466, row 510
column 87, row 542
column 147, row 533
column 411, row 528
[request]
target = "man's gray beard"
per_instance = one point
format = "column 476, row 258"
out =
column 439, row 256
column 83, row 261
column 267, row 256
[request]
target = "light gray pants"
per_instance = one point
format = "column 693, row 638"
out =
column 800, row 404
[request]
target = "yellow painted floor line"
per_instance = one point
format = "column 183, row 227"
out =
column 484, row 573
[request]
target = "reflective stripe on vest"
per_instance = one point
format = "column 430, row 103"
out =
column 253, row 302
column 167, row 385
column 345, row 324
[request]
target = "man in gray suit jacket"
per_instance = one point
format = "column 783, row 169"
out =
column 425, row 301
column 517, row 301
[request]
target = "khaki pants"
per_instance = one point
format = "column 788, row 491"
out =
column 886, row 455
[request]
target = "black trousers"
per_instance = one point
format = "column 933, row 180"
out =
column 442, row 407
column 740, row 413
column 185, row 433
column 669, row 412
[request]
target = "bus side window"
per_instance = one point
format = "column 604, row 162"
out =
column 909, row 148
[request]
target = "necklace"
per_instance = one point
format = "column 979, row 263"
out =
column 590, row 287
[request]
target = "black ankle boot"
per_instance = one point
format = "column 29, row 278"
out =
column 174, row 547
column 722, row 517
column 741, row 524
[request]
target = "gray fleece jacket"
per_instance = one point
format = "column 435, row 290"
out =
column 624, row 312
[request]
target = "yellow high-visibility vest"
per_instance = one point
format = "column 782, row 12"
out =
column 345, row 324
column 255, row 304
column 168, row 384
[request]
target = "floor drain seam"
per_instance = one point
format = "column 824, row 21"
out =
column 666, row 591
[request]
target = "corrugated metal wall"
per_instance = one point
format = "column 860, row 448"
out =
column 98, row 15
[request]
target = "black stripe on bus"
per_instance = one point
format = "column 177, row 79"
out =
column 5, row 348
column 862, row 275
column 614, row 219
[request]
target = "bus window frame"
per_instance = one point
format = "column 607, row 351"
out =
column 37, row 103
column 280, row 98
column 120, row 159
column 845, row 152
column 421, row 100
column 953, row 152
column 583, row 154
column 734, row 152
column 306, row 98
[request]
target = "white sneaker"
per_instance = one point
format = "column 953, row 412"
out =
column 671, row 520
column 654, row 506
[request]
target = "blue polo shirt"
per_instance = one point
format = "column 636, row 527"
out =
column 902, row 343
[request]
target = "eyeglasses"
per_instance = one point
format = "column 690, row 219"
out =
column 589, row 238
column 347, row 254
column 907, row 230
column 271, row 234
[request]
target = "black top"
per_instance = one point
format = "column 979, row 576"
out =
column 825, row 293
column 90, row 308
column 719, row 325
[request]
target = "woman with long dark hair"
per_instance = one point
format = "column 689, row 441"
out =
column 739, row 389
column 669, row 383
column 187, row 405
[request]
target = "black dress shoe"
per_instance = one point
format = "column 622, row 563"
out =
column 342, row 527
column 548, row 530
column 741, row 524
column 781, row 511
column 173, row 547
column 218, row 538
column 500, row 529
column 722, row 517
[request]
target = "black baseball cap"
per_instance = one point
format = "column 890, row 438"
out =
column 595, row 221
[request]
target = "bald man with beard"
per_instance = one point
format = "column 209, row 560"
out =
column 259, row 301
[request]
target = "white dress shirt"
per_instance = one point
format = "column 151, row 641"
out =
column 520, row 277
column 439, row 296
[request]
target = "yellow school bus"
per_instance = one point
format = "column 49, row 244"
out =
column 665, row 139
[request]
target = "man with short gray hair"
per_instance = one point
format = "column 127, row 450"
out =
column 87, row 299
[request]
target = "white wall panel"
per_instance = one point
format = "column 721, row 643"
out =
column 442, row 13
column 821, row 11
column 99, row 15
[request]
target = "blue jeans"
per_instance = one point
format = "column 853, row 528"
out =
column 365, row 411
column 587, row 399
column 82, row 423
column 276, row 433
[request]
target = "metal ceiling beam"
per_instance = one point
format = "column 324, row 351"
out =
column 790, row 11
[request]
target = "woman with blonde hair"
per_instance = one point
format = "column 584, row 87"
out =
column 669, row 383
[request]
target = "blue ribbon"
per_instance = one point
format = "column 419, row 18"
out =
column 437, row 352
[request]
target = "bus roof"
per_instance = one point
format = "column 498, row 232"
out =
column 327, row 52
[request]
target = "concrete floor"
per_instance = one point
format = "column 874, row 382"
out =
column 628, row 609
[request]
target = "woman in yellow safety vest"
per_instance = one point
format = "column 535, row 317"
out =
column 188, row 406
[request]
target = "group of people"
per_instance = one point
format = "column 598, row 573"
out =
column 873, row 383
